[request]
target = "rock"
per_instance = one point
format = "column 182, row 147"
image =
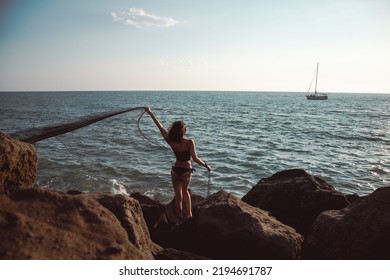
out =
column 155, row 217
column 223, row 227
column 74, row 192
column 295, row 198
column 360, row 231
column 129, row 213
column 153, row 212
column 173, row 254
column 18, row 164
column 352, row 197
column 41, row 224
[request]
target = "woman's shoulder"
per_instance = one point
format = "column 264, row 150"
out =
column 190, row 142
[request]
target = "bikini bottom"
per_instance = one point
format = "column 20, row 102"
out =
column 181, row 170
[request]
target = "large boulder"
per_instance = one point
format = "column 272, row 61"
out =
column 224, row 227
column 41, row 224
column 360, row 231
column 129, row 213
column 295, row 198
column 18, row 164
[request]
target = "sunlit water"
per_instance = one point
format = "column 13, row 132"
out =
column 243, row 136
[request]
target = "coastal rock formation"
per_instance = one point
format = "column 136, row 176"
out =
column 40, row 224
column 129, row 213
column 360, row 231
column 224, row 227
column 295, row 198
column 44, row 224
column 18, row 163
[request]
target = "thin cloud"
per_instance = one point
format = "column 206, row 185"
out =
column 139, row 19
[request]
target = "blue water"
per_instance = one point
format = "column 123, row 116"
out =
column 243, row 136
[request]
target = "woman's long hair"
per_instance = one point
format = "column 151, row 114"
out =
column 175, row 133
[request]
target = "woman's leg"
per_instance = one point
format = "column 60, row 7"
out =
column 177, row 187
column 185, row 182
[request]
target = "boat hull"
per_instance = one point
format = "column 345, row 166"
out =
column 316, row 97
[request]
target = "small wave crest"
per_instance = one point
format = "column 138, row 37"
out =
column 117, row 187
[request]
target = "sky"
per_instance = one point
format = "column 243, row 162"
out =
column 224, row 45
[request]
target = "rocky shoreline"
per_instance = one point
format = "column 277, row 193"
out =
column 290, row 215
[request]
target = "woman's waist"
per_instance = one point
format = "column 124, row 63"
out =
column 185, row 164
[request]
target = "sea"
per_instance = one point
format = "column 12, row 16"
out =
column 243, row 136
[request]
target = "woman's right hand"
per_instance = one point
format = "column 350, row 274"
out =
column 147, row 110
column 208, row 167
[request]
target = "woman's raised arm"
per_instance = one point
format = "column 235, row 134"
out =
column 163, row 131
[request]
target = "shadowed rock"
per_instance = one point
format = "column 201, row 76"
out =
column 360, row 231
column 173, row 254
column 223, row 227
column 295, row 198
column 153, row 212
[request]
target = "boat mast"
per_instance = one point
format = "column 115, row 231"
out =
column 315, row 92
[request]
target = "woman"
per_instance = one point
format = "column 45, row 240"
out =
column 181, row 171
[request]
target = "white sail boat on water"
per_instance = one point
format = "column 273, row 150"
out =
column 316, row 95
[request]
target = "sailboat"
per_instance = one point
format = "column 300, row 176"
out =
column 316, row 95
